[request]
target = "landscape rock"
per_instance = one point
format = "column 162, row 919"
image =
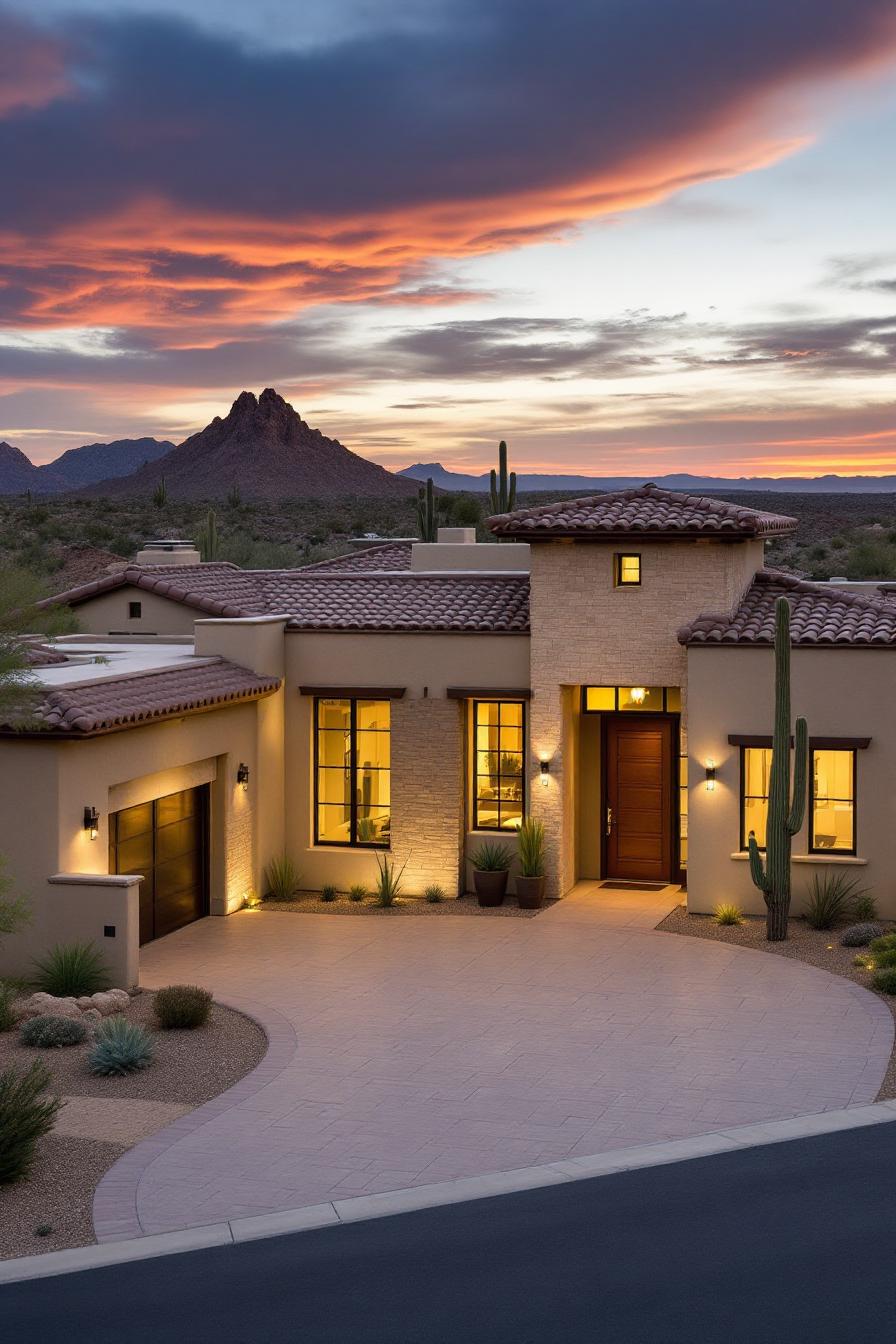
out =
column 43, row 1005
column 92, row 1006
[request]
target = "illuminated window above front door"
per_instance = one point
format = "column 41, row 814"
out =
column 649, row 699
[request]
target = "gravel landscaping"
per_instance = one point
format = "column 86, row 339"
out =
column 309, row 903
column 817, row 947
column 189, row 1067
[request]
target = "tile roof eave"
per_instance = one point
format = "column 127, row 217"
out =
column 50, row 734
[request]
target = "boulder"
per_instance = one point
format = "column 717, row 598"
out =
column 110, row 1001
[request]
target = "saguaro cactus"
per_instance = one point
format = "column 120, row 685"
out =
column 208, row 537
column 503, row 486
column 785, row 809
column 426, row 512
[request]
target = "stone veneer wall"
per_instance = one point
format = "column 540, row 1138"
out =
column 427, row 792
column 586, row 631
column 238, row 857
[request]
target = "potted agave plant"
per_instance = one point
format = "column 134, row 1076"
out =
column 490, row 865
column 530, row 881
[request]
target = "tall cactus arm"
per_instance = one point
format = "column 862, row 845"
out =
column 511, row 500
column 493, row 491
column 757, row 867
column 800, row 774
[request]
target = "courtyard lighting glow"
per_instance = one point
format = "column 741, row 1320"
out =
column 545, row 772
column 638, row 694
column 242, row 775
column 710, row 775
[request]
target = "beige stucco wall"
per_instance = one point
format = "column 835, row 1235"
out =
column 108, row 614
column 585, row 631
column 841, row 693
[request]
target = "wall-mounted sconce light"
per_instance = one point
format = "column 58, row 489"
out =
column 710, row 775
column 242, row 775
column 92, row 822
column 638, row 694
column 545, row 771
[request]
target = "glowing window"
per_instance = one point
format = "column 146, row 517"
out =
column 499, row 777
column 833, row 802
column 352, row 776
column 627, row 569
column 599, row 697
column 756, row 764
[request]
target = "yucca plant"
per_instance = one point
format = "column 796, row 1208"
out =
column 283, row 878
column 728, row 913
column 832, row 898
column 434, row 894
column 25, row 1116
column 328, row 892
column 531, row 843
column 119, row 1047
column 389, row 881
column 357, row 891
column 70, row 970
column 491, row 858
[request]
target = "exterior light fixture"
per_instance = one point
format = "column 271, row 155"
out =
column 638, row 694
column 545, row 771
column 242, row 775
column 92, row 822
column 710, row 775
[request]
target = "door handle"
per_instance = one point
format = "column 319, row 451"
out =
column 609, row 820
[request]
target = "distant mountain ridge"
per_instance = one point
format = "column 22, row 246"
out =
column 264, row 449
column 833, row 484
column 77, row 466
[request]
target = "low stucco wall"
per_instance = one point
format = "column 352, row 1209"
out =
column 841, row 693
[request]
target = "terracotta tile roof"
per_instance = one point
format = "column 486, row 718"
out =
column 481, row 604
column 384, row 557
column 821, row 616
column 102, row 705
column 645, row 511
column 218, row 589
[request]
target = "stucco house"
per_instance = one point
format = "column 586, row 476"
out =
column 604, row 664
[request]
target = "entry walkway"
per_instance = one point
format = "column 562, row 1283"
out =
column 412, row 1051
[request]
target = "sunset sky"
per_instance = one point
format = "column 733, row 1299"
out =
column 629, row 236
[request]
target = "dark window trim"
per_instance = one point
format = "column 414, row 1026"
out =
column 488, row 693
column 817, row 746
column 815, row 743
column 616, row 710
column 753, row 743
column 354, row 692
column 353, row 842
column 524, row 811
column 618, row 581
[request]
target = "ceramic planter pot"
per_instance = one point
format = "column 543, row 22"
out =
column 490, row 886
column 530, row 892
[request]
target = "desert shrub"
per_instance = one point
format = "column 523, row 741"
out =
column 182, row 1007
column 864, row 907
column 119, row 1047
column 25, row 1116
column 491, row 858
column 884, row 959
column 7, row 1016
column 434, row 893
column 728, row 913
column 860, row 935
column 884, row 944
column 283, row 878
column 328, row 892
column 50, row 1033
column 72, row 969
column 832, row 897
column 388, row 883
column 885, row 980
column 357, row 891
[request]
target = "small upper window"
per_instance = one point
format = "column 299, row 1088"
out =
column 135, row 610
column 627, row 571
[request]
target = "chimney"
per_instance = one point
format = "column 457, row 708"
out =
column 168, row 552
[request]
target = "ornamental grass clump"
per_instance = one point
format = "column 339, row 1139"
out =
column 885, row 980
column 728, row 913
column 434, row 894
column 71, row 970
column 530, row 838
column 52, row 1033
column 864, row 907
column 491, row 858
column 182, row 1007
column 388, row 883
column 832, row 898
column 283, row 878
column 328, row 892
column 25, row 1116
column 120, row 1047
column 7, row 1016
column 356, row 892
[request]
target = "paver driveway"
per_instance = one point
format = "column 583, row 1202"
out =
column 413, row 1050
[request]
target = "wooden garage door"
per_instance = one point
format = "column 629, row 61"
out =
column 167, row 841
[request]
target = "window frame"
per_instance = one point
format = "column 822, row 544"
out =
column 744, row 844
column 666, row 707
column 474, row 773
column 813, row 848
column 353, row 842
column 618, row 580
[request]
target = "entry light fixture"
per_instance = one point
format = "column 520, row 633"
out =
column 638, row 695
column 92, row 822
column 242, row 775
column 545, row 771
column 710, row 775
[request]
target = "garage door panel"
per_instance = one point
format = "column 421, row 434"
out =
column 165, row 840
column 181, row 838
column 134, row 821
column 136, row 856
column 176, row 807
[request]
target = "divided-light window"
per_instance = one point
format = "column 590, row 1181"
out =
column 627, row 570
column 351, row 772
column 833, row 819
column 755, row 769
column 499, row 781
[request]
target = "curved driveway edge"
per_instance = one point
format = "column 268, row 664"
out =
column 115, row 1216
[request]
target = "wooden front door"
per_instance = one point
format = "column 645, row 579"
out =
column 639, row 836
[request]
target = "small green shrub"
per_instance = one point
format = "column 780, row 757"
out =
column 864, row 961
column 531, row 843
column 328, row 892
column 182, row 1007
column 884, row 959
column 357, row 891
column 884, row 944
column 832, row 898
column 434, row 894
column 50, row 1033
column 72, row 969
column 388, row 883
column 864, row 907
column 491, row 858
column 119, row 1047
column 885, row 980
column 283, row 878
column 728, row 913
column 25, row 1117
column 7, row 1016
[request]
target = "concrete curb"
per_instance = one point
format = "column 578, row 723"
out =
column 343, row 1211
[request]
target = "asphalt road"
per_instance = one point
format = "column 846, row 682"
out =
column 788, row 1244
